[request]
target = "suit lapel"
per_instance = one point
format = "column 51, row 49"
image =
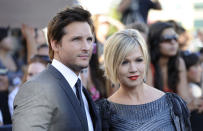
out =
column 70, row 94
column 93, row 111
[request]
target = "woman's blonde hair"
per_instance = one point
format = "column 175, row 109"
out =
column 118, row 46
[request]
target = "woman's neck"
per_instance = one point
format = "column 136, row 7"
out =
column 130, row 96
column 163, row 61
column 136, row 96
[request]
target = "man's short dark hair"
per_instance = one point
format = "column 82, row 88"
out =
column 64, row 18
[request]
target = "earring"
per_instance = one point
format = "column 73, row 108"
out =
column 144, row 80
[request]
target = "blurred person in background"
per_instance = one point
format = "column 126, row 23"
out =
column 136, row 10
column 35, row 65
column 5, row 116
column 9, row 49
column 168, row 69
column 197, row 42
column 34, row 38
column 43, row 49
column 184, row 37
column 136, row 105
column 194, row 72
column 200, row 34
column 194, row 75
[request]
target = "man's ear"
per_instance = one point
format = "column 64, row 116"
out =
column 54, row 45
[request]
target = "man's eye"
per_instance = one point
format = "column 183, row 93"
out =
column 90, row 39
column 75, row 39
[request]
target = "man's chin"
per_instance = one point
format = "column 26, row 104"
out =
column 80, row 67
column 83, row 66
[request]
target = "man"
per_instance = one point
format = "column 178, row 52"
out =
column 54, row 100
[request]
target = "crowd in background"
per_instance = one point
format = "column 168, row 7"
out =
column 176, row 58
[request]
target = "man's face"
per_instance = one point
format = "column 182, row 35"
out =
column 75, row 47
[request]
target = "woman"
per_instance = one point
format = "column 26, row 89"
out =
column 167, row 67
column 136, row 105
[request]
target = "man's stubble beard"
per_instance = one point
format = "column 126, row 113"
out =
column 76, row 68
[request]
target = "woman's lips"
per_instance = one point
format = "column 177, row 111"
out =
column 133, row 77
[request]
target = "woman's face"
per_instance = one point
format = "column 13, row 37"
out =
column 168, row 45
column 34, row 69
column 132, row 69
column 194, row 73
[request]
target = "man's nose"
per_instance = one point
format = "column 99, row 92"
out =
column 87, row 45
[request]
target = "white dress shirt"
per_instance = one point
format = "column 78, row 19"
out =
column 72, row 78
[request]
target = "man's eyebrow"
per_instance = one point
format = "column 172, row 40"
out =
column 76, row 37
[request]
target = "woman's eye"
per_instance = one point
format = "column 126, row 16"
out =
column 139, row 60
column 124, row 62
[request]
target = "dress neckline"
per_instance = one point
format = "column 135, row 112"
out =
column 152, row 102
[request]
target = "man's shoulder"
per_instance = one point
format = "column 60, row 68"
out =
column 33, row 91
column 48, row 76
column 39, row 84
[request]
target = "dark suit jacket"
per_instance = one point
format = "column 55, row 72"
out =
column 47, row 103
